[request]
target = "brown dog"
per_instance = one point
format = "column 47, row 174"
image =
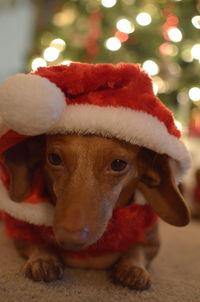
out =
column 87, row 177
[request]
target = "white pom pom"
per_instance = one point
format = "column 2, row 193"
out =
column 30, row 104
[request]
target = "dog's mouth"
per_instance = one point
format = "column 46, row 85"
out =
column 71, row 243
column 79, row 246
column 72, row 247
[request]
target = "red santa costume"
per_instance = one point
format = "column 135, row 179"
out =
column 103, row 99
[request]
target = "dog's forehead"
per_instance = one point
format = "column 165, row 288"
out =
column 75, row 142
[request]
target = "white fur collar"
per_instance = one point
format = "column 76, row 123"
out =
column 39, row 214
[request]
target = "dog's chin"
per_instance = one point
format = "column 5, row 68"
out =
column 74, row 247
column 80, row 246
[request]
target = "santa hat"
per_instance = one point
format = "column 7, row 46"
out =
column 103, row 99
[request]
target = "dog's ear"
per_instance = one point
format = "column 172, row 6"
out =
column 21, row 161
column 157, row 185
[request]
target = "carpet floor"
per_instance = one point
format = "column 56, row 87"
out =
column 175, row 273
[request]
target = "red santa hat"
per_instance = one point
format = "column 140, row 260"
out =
column 103, row 99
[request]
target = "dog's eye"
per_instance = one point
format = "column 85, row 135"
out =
column 54, row 159
column 118, row 165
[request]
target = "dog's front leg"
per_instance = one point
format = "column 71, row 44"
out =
column 131, row 270
column 43, row 264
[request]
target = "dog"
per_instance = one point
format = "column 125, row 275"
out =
column 87, row 178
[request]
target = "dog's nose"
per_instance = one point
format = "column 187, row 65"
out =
column 71, row 240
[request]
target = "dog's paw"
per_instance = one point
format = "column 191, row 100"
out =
column 43, row 269
column 133, row 277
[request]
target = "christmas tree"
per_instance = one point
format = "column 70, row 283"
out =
column 162, row 36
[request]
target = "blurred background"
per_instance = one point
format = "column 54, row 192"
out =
column 162, row 35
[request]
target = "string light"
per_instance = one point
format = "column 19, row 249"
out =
column 161, row 85
column 195, row 51
column 66, row 62
column 59, row 44
column 178, row 125
column 186, row 55
column 51, row 54
column 155, row 88
column 65, row 17
column 125, row 26
column 38, row 62
column 172, row 20
column 113, row 44
column 174, row 68
column 108, row 3
column 121, row 36
column 143, row 19
column 167, row 49
column 194, row 94
column 196, row 21
column 175, row 34
column 182, row 97
column 150, row 67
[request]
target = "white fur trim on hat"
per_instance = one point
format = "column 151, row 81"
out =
column 38, row 214
column 30, row 104
column 139, row 198
column 133, row 126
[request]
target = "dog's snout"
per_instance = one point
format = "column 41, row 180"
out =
column 72, row 240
